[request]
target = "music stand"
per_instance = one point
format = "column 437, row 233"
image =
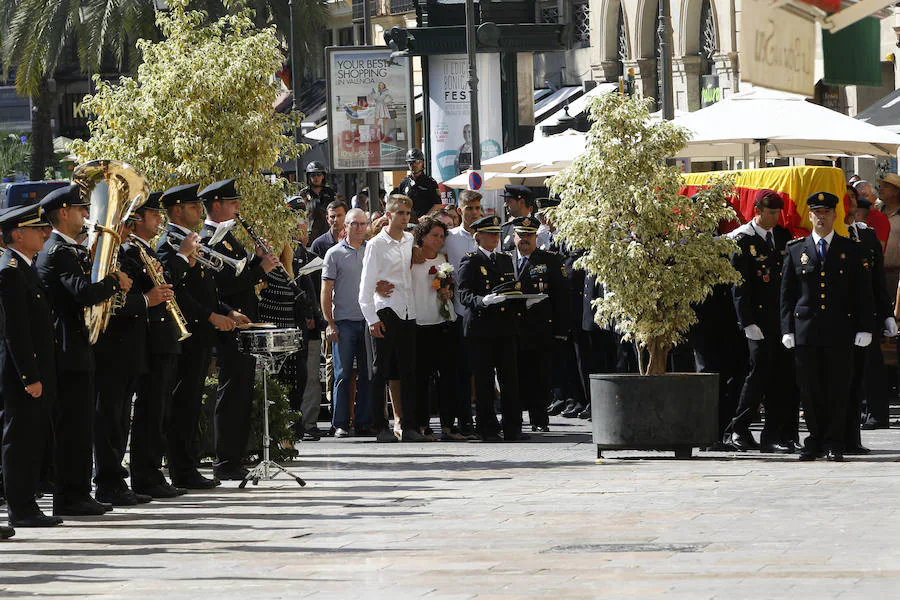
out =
column 267, row 469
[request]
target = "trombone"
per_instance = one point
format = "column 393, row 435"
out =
column 206, row 256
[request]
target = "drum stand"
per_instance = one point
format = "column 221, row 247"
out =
column 268, row 469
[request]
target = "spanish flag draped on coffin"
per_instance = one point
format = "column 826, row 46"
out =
column 793, row 184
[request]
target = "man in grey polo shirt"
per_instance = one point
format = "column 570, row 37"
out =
column 346, row 324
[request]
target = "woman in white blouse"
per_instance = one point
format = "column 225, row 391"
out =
column 437, row 338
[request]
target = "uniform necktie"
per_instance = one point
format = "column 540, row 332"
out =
column 823, row 249
column 769, row 240
column 493, row 258
column 522, row 261
column 853, row 234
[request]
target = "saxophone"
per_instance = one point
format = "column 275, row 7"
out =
column 153, row 270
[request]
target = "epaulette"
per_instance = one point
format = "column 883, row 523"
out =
column 470, row 253
column 795, row 241
column 13, row 262
column 69, row 247
column 740, row 236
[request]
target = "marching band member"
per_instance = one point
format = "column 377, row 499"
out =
column 235, row 369
column 65, row 269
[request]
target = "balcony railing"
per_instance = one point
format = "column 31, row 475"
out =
column 399, row 7
column 358, row 9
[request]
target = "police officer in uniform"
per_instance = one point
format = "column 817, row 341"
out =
column 65, row 269
column 826, row 303
column 868, row 381
column 762, row 243
column 198, row 298
column 419, row 186
column 538, row 272
column 519, row 201
column 28, row 381
column 315, row 197
column 235, row 369
column 153, row 401
column 491, row 326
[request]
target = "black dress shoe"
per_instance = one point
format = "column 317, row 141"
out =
column 808, row 455
column 572, row 411
column 6, row 532
column 491, row 437
column 117, row 497
column 857, row 451
column 38, row 520
column 541, row 428
column 775, row 448
column 586, row 413
column 743, row 441
column 80, row 508
column 195, row 481
column 869, row 425
column 835, row 456
column 160, row 490
column 556, row 407
column 516, row 437
column 231, row 474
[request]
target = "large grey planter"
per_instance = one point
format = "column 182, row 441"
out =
column 677, row 411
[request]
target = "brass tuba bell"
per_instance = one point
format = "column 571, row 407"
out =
column 115, row 190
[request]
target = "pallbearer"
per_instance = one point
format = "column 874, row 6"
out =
column 28, row 381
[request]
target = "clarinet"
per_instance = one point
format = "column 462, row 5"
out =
column 265, row 248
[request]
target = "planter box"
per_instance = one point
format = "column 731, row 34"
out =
column 677, row 411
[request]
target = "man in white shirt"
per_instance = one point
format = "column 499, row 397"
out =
column 392, row 319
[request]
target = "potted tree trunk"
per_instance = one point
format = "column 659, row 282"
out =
column 657, row 254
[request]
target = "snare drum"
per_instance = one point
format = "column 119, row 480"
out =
column 270, row 341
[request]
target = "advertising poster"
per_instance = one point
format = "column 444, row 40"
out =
column 370, row 100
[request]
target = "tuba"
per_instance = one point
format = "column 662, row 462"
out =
column 115, row 190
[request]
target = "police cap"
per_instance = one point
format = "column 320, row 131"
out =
column 527, row 225
column 64, row 197
column 32, row 215
column 822, row 200
column 220, row 190
column 489, row 224
column 517, row 191
column 180, row 194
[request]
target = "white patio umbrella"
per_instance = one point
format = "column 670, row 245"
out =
column 496, row 181
column 551, row 153
column 784, row 124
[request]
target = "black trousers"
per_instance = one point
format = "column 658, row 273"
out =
column 114, row 390
column 535, row 381
column 868, row 386
column 233, row 401
column 725, row 354
column 875, row 383
column 824, row 391
column 438, row 355
column 395, row 358
column 73, row 425
column 464, row 376
column 183, row 431
column 26, row 428
column 768, row 381
column 152, row 412
column 489, row 355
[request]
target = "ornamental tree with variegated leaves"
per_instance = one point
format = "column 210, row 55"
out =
column 200, row 110
column 656, row 252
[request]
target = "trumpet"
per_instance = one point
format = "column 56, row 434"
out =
column 206, row 256
column 153, row 271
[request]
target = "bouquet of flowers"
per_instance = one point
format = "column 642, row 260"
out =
column 443, row 281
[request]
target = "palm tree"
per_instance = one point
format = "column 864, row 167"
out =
column 35, row 34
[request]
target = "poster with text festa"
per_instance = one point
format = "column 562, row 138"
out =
column 370, row 100
column 451, row 129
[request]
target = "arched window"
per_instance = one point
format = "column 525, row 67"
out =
column 657, row 52
column 709, row 41
column 621, row 41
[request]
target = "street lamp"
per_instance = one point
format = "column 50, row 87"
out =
column 294, row 91
column 473, row 84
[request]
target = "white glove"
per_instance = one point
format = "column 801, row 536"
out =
column 532, row 301
column 890, row 325
column 787, row 340
column 493, row 299
column 863, row 339
column 753, row 332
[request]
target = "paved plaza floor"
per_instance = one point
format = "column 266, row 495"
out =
column 473, row 520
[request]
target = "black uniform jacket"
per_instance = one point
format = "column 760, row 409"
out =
column 477, row 277
column 162, row 333
column 123, row 345
column 237, row 291
column 28, row 350
column 873, row 264
column 316, row 209
column 757, row 298
column 825, row 305
column 65, row 270
column 423, row 192
column 196, row 292
column 543, row 273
